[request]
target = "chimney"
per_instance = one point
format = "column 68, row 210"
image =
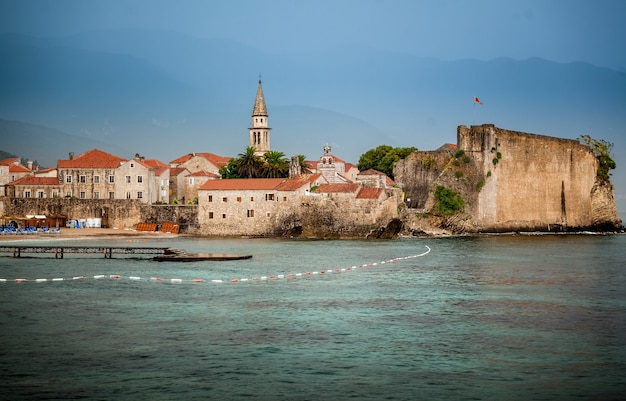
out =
column 30, row 165
column 71, row 155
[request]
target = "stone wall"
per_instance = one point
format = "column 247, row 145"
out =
column 514, row 181
column 120, row 213
column 417, row 174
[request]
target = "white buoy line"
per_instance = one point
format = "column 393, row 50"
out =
column 216, row 281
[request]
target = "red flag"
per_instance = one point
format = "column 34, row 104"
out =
column 477, row 100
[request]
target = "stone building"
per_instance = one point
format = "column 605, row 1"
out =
column 11, row 169
column 251, row 206
column 187, row 172
column 34, row 187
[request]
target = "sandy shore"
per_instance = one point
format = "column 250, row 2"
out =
column 87, row 232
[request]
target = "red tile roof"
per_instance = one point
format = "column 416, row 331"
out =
column 298, row 182
column 371, row 171
column 216, row 160
column 11, row 160
column 18, row 168
column 32, row 180
column 204, row 174
column 92, row 159
column 174, row 171
column 369, row 193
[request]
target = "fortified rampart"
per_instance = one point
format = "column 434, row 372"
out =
column 515, row 181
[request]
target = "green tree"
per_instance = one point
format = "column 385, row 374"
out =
column 231, row 170
column 248, row 164
column 276, row 165
column 383, row 158
column 602, row 150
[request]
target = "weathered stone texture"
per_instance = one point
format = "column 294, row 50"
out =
column 513, row 181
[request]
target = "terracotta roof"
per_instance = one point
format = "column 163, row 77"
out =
column 10, row 160
column 451, row 146
column 154, row 163
column 371, row 171
column 219, row 161
column 32, row 180
column 242, row 183
column 92, row 159
column 335, row 188
column 204, row 174
column 174, row 171
column 160, row 170
column 298, row 182
column 18, row 168
column 369, row 193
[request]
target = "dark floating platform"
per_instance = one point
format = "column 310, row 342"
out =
column 197, row 257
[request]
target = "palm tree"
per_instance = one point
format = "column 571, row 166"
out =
column 276, row 165
column 249, row 164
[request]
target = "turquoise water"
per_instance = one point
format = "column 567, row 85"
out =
column 476, row 318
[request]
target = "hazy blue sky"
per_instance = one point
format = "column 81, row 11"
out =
column 564, row 31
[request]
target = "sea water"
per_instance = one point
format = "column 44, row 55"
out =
column 462, row 318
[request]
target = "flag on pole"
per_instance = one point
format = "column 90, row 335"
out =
column 477, row 100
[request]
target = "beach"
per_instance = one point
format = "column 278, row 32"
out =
column 66, row 233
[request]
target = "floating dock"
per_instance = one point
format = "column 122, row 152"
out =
column 162, row 253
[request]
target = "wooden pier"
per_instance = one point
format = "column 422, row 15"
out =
column 16, row 251
column 162, row 254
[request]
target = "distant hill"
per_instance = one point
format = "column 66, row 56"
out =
column 43, row 144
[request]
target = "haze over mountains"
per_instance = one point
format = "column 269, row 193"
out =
column 164, row 94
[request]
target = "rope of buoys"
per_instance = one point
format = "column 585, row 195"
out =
column 291, row 276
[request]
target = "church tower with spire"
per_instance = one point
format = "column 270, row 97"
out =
column 260, row 132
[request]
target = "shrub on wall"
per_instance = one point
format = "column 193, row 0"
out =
column 448, row 201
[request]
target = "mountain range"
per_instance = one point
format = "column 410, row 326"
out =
column 163, row 94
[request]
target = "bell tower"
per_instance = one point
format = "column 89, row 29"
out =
column 260, row 132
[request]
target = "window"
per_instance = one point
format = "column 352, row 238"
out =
column 140, row 179
column 132, row 165
column 210, row 215
column 111, row 195
column 190, row 180
column 68, row 179
column 210, row 198
column 252, row 199
column 224, row 199
column 40, row 194
column 96, row 195
column 269, row 197
column 139, row 195
column 250, row 213
column 127, row 195
column 26, row 194
column 82, row 195
column 128, row 179
column 96, row 179
column 82, row 179
column 224, row 215
column 111, row 179
column 68, row 195
column 239, row 199
column 284, row 199
column 55, row 194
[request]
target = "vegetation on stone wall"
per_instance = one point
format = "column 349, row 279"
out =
column 448, row 201
column 602, row 151
column 383, row 158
